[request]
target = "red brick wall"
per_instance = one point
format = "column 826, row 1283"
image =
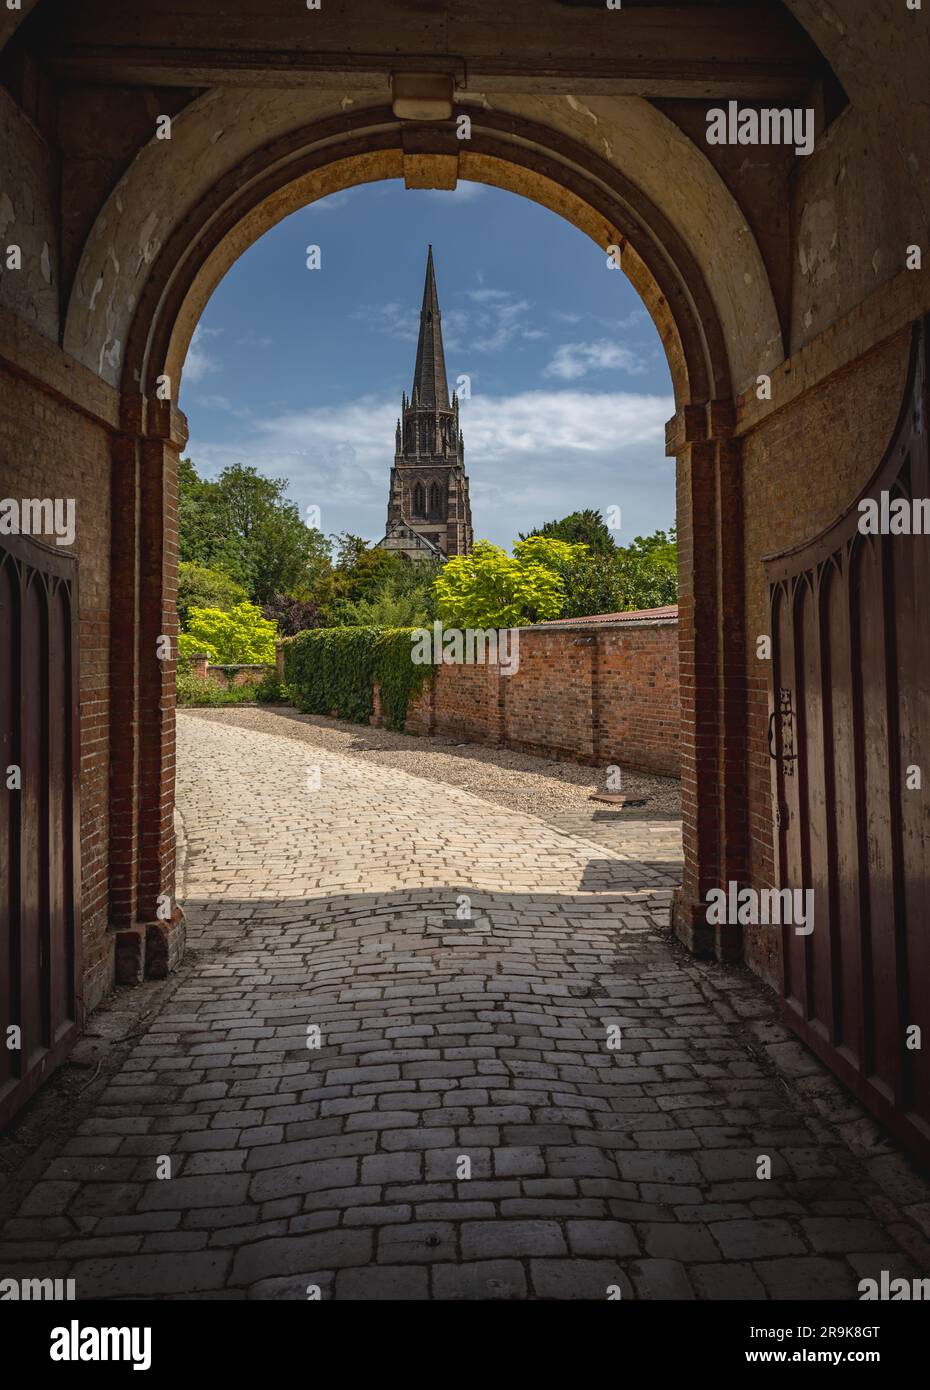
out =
column 219, row 675
column 458, row 701
column 549, row 702
column 638, row 696
column 43, row 439
column 591, row 695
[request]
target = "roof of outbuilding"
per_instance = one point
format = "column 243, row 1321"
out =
column 668, row 613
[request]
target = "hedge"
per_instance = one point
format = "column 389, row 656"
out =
column 333, row 670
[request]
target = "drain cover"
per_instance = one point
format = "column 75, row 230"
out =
column 617, row 799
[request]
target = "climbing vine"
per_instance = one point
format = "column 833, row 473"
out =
column 334, row 671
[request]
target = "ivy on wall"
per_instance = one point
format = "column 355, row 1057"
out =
column 334, row 670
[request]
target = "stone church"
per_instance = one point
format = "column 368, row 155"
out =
column 429, row 514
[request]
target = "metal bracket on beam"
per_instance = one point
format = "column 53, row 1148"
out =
column 422, row 96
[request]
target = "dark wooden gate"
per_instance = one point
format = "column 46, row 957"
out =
column 849, row 735
column 39, row 822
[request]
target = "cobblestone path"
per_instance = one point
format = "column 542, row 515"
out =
column 323, row 893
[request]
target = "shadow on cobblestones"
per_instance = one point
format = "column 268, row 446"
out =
column 325, row 1066
column 426, row 1046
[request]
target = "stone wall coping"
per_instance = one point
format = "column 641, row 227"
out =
column 618, row 625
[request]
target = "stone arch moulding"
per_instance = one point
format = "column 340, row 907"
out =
column 157, row 320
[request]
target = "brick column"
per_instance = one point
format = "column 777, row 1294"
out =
column 712, row 670
column 159, row 620
column 597, row 659
column 496, row 720
column 124, row 663
column 144, row 621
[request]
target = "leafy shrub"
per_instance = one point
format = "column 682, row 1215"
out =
column 202, row 587
column 238, row 637
column 271, row 690
column 292, row 615
column 334, row 670
column 194, row 692
column 488, row 588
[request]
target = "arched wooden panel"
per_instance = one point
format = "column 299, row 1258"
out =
column 850, row 745
column 39, row 820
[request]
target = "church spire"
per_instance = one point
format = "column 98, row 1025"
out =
column 430, row 386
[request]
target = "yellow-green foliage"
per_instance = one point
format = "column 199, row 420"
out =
column 489, row 588
column 239, row 636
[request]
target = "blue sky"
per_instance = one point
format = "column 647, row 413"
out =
column 300, row 372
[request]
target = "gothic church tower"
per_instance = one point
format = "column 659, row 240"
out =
column 428, row 506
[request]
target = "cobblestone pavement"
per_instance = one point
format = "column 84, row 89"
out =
column 322, row 892
column 520, row 781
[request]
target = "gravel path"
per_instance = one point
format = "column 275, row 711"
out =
column 520, row 781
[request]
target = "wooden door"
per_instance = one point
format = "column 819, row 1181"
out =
column 849, row 735
column 39, row 818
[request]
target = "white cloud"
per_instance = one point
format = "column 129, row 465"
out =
column 530, row 456
column 488, row 296
column 397, row 320
column 492, row 320
column 402, row 322
column 332, row 202
column 463, row 192
column 252, row 339
column 198, row 361
column 572, row 361
column 614, row 325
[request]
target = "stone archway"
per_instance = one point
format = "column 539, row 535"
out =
column 154, row 296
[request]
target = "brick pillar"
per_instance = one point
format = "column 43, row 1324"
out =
column 496, row 719
column 159, row 621
column 142, row 687
column 597, row 658
column 590, row 640
column 124, row 662
column 711, row 670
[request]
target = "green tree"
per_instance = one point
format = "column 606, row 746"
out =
column 200, row 519
column 349, row 549
column 490, row 588
column 648, row 571
column 386, row 609
column 239, row 636
column 373, row 587
column 592, row 585
column 587, row 528
column 244, row 524
column 590, row 582
column 201, row 587
column 556, row 555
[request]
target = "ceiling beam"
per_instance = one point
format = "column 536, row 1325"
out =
column 10, row 20
column 660, row 51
